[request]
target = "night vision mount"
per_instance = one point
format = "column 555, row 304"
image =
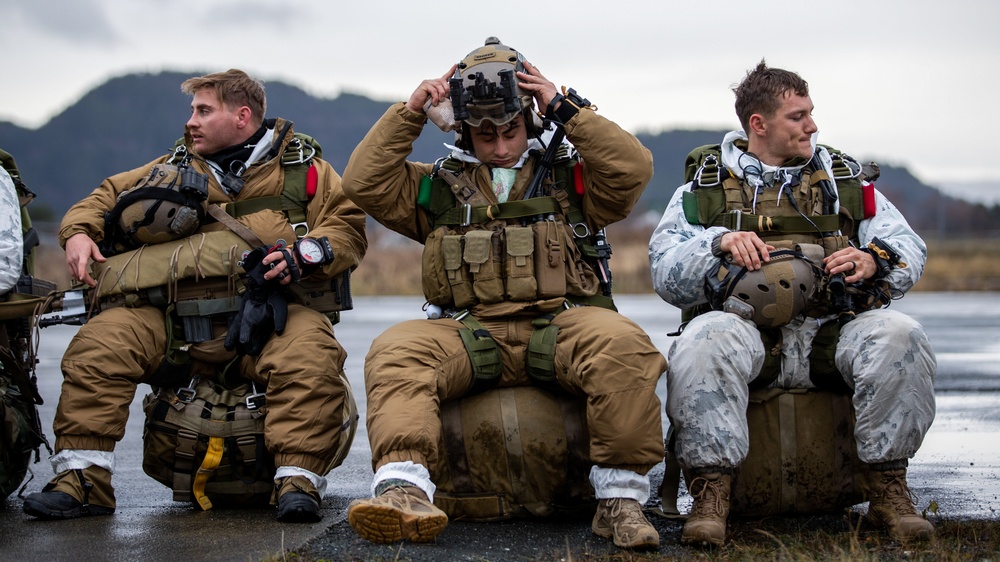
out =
column 484, row 90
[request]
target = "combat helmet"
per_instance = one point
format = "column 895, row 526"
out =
column 485, row 87
column 168, row 203
column 771, row 296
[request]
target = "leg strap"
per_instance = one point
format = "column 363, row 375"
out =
column 483, row 353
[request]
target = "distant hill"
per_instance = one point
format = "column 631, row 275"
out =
column 132, row 119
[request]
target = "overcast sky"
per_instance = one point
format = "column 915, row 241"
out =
column 905, row 82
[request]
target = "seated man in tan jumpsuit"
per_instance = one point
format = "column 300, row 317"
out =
column 238, row 156
column 489, row 297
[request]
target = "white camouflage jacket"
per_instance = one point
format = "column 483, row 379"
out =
column 680, row 253
column 11, row 242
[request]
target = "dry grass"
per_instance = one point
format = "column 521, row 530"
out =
column 392, row 266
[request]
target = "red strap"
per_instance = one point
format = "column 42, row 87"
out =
column 868, row 199
column 312, row 179
column 578, row 178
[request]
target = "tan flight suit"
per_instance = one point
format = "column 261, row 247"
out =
column 415, row 366
column 302, row 367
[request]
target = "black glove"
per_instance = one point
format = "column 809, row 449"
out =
column 263, row 310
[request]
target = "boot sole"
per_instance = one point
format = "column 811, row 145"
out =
column 299, row 515
column 702, row 541
column 301, row 509
column 42, row 511
column 876, row 521
column 384, row 524
column 609, row 533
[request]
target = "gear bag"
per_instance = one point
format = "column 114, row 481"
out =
column 19, row 435
column 206, row 442
column 513, row 452
column 802, row 457
column 212, row 437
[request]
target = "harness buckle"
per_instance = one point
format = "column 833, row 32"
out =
column 738, row 218
column 466, row 214
column 580, row 230
column 301, row 229
column 712, row 164
column 256, row 400
column 298, row 152
column 187, row 394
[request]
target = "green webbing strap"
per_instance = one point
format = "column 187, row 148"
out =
column 593, row 300
column 207, row 307
column 822, row 368
column 297, row 159
column 238, row 209
column 540, row 357
column 769, row 371
column 483, row 353
column 749, row 222
column 501, row 211
column 176, row 364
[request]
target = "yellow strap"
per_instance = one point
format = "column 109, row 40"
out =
column 213, row 456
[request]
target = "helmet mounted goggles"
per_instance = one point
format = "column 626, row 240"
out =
column 484, row 86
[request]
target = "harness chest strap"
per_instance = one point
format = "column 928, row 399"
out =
column 484, row 214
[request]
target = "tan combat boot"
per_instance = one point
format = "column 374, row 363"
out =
column 706, row 525
column 399, row 513
column 73, row 493
column 891, row 506
column 622, row 520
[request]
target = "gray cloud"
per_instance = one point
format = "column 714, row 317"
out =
column 76, row 21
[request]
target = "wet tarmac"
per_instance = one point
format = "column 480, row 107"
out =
column 958, row 467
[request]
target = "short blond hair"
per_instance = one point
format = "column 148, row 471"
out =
column 235, row 88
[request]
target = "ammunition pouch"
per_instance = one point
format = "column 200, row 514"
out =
column 512, row 263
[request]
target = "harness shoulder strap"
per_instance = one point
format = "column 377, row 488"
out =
column 300, row 180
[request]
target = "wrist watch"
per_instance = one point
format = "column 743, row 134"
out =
column 314, row 252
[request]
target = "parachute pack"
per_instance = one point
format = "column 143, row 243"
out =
column 513, row 452
column 809, row 465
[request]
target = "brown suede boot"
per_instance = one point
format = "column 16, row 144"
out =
column 399, row 513
column 622, row 521
column 706, row 525
column 72, row 494
column 891, row 506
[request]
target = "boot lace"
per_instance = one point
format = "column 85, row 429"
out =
column 898, row 493
column 707, row 496
column 625, row 512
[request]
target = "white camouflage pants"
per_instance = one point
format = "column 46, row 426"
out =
column 883, row 355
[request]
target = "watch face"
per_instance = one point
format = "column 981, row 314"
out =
column 311, row 251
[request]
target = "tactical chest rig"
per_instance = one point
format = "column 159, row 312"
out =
column 531, row 250
column 797, row 215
